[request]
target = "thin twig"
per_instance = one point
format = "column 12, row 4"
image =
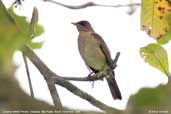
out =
column 28, row 75
column 45, row 72
column 53, row 78
column 115, row 60
column 89, row 4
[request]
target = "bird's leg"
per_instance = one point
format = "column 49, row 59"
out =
column 90, row 76
column 96, row 76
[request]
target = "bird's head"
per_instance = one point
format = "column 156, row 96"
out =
column 83, row 26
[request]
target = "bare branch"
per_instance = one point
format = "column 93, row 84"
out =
column 98, row 76
column 28, row 75
column 45, row 71
column 89, row 4
column 53, row 78
column 87, row 78
column 87, row 97
column 115, row 60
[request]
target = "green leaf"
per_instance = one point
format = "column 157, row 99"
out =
column 165, row 39
column 38, row 30
column 21, row 22
column 167, row 36
column 11, row 38
column 156, row 56
column 36, row 45
column 35, row 28
column 30, row 30
column 153, row 18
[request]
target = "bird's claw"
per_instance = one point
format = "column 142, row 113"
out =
column 91, row 74
column 100, row 75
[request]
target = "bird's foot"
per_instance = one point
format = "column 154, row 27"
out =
column 91, row 78
column 91, row 74
column 100, row 75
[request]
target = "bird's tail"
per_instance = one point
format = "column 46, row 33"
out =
column 113, row 86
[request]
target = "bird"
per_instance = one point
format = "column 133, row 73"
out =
column 96, row 54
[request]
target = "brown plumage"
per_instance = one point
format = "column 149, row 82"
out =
column 96, row 54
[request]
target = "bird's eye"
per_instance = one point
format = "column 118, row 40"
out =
column 83, row 23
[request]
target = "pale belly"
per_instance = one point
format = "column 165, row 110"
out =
column 95, row 57
column 91, row 53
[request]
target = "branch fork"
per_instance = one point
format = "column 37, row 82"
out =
column 52, row 79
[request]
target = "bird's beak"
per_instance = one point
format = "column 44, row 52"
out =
column 74, row 23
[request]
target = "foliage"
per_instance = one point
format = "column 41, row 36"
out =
column 151, row 100
column 156, row 56
column 153, row 17
column 30, row 30
column 15, row 32
column 155, row 20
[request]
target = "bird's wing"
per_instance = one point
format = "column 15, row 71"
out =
column 104, row 49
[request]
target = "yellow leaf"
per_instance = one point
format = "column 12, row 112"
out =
column 153, row 17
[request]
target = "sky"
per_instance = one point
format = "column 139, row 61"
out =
column 121, row 33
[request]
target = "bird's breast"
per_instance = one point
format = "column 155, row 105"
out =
column 90, row 51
